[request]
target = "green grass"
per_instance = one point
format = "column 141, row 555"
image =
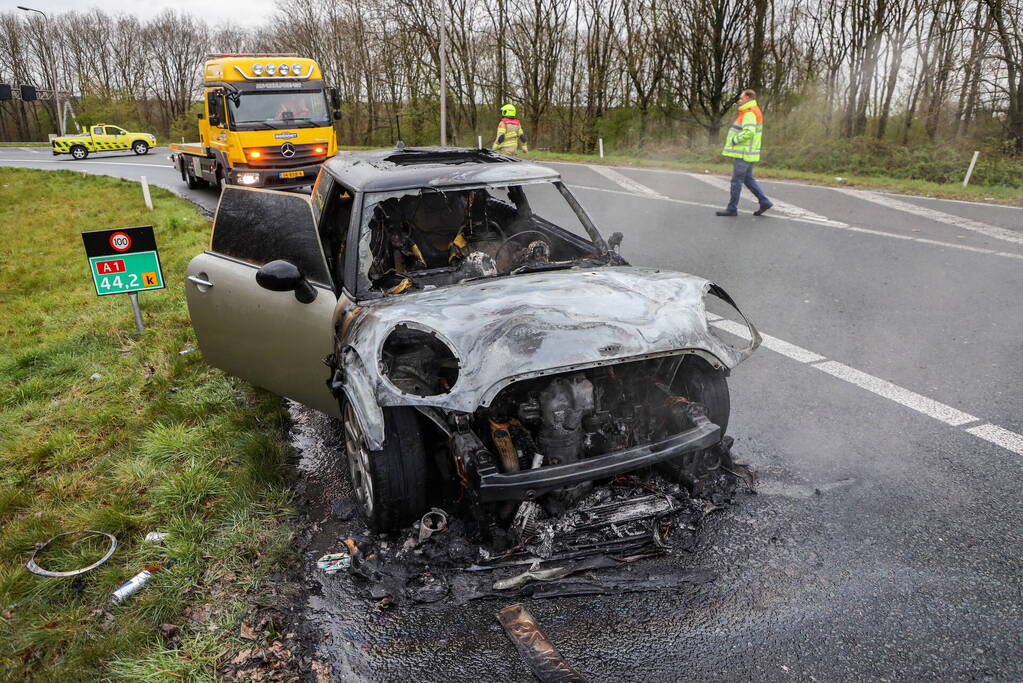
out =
column 989, row 193
column 159, row 442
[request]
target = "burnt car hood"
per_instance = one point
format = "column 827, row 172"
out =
column 507, row 329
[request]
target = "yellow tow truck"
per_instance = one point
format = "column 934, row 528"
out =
column 102, row 137
column 267, row 121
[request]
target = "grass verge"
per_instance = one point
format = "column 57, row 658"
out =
column 992, row 194
column 103, row 428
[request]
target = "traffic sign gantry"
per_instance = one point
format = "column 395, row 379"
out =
column 123, row 260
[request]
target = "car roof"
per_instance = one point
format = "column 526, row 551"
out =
column 398, row 169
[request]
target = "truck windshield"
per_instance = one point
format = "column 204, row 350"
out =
column 293, row 109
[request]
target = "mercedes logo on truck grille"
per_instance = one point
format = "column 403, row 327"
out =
column 287, row 150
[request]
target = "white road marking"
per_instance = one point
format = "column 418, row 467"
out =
column 785, row 208
column 797, row 353
column 905, row 397
column 828, row 224
column 87, row 161
column 1010, row 441
column 935, row 215
column 626, row 182
column 999, row 436
column 29, row 149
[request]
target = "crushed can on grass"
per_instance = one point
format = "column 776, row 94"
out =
column 334, row 562
column 135, row 583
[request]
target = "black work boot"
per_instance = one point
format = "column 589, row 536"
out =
column 763, row 207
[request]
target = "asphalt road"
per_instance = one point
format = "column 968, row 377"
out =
column 883, row 417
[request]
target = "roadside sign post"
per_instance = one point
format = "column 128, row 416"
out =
column 124, row 261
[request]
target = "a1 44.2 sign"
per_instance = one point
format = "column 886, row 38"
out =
column 123, row 260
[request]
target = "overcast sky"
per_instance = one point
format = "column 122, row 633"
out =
column 247, row 13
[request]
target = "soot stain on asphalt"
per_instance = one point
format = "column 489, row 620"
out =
column 401, row 599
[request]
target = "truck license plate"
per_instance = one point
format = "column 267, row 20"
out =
column 292, row 174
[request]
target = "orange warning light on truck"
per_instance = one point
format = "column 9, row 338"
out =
column 267, row 121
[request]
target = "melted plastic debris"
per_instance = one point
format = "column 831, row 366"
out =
column 594, row 547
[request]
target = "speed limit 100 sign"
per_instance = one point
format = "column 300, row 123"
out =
column 123, row 260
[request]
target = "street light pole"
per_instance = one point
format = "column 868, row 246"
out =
column 53, row 68
column 443, row 74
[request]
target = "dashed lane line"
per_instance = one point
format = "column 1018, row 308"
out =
column 935, row 215
column 790, row 210
column 837, row 225
column 1004, row 438
column 626, row 182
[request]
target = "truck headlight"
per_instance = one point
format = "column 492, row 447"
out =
column 257, row 69
column 271, row 69
column 248, row 178
column 296, row 69
column 283, row 70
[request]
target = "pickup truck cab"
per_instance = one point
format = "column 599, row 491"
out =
column 103, row 137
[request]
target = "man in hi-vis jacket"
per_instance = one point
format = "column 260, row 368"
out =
column 510, row 137
column 743, row 144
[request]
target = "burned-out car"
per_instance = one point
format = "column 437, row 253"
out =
column 462, row 315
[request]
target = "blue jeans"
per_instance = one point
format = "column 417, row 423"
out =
column 742, row 174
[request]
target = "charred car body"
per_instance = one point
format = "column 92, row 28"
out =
column 477, row 336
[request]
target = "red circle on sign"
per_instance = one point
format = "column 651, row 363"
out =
column 120, row 241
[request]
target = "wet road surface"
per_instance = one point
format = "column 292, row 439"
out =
column 885, row 540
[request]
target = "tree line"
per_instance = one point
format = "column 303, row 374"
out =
column 640, row 73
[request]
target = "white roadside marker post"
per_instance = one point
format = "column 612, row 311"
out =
column 145, row 194
column 969, row 171
column 600, row 144
column 479, row 142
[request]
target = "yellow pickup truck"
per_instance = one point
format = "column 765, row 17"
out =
column 102, row 137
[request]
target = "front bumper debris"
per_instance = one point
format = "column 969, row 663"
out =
column 529, row 484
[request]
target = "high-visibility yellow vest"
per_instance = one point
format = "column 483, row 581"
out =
column 743, row 139
column 510, row 137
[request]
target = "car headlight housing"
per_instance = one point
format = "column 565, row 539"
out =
column 417, row 360
column 248, row 178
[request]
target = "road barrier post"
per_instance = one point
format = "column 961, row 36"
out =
column 969, row 171
column 145, row 194
column 479, row 142
column 600, row 144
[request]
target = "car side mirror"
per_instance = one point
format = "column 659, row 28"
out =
column 615, row 240
column 284, row 276
column 214, row 120
column 335, row 99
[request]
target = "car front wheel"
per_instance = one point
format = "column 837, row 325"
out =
column 140, row 147
column 390, row 484
column 78, row 152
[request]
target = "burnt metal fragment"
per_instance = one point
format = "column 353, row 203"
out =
column 538, row 652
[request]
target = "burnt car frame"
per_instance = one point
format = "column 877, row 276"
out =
column 473, row 349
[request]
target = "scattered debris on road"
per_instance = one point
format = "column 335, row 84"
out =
column 539, row 653
column 548, row 550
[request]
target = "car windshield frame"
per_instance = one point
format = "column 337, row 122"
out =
column 365, row 288
column 318, row 96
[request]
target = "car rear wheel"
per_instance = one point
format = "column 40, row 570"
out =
column 390, row 484
column 79, row 152
column 699, row 382
column 140, row 147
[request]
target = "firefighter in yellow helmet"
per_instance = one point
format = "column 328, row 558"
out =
column 510, row 137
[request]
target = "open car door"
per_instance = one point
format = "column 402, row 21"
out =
column 269, row 338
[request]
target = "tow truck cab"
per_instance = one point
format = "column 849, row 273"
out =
column 267, row 121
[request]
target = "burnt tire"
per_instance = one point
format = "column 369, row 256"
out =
column 78, row 152
column 390, row 484
column 701, row 383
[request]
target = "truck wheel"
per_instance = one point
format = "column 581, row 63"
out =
column 390, row 484
column 140, row 147
column 79, row 152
